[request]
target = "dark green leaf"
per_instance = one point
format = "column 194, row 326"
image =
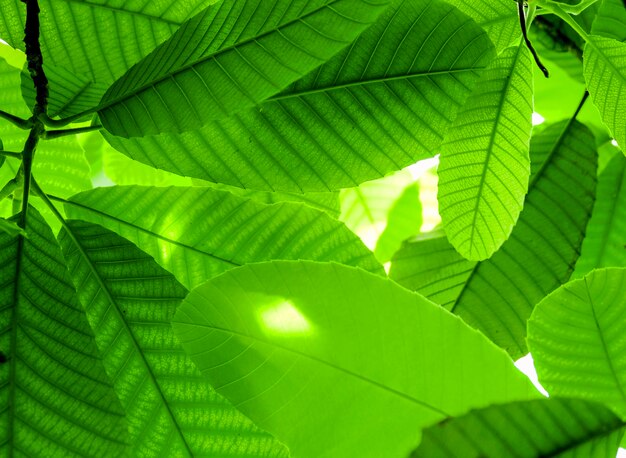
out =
column 56, row 399
column 230, row 57
column 380, row 105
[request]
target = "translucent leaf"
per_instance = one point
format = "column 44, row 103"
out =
column 100, row 39
column 10, row 227
column 230, row 57
column 484, row 164
column 583, row 320
column 498, row 17
column 605, row 241
column 197, row 233
column 529, row 429
column 355, row 351
column 498, row 295
column 56, row 399
column 610, row 21
column 69, row 93
column 129, row 301
column 604, row 66
column 368, row 111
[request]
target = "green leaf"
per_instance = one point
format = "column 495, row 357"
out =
column 282, row 338
column 604, row 67
column 70, row 93
column 369, row 111
column 365, row 208
column 11, row 228
column 484, row 164
column 197, row 233
column 497, row 17
column 584, row 319
column 56, row 399
column 230, row 57
column 98, row 38
column 404, row 220
column 605, row 241
column 610, row 21
column 498, row 295
column 530, row 429
column 124, row 171
column 130, row 301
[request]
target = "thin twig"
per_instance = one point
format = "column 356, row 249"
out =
column 52, row 134
column 16, row 120
column 529, row 45
column 11, row 154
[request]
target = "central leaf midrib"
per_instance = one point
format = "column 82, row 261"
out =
column 144, row 230
column 135, row 91
column 326, row 363
column 129, row 332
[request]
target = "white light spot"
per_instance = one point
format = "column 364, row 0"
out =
column 621, row 453
column 538, row 119
column 526, row 365
column 420, row 168
column 614, row 143
column 285, row 318
column 387, row 266
column 3, row 42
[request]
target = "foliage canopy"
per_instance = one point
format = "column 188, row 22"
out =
column 220, row 230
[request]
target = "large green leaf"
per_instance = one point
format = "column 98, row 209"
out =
column 484, row 164
column 337, row 362
column 530, row 429
column 610, row 21
column 56, row 399
column 498, row 295
column 584, row 320
column 100, row 39
column 498, row 17
column 129, row 301
column 604, row 67
column 197, row 233
column 368, row 111
column 605, row 241
column 230, row 57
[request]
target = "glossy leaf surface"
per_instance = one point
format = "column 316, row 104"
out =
column 282, row 338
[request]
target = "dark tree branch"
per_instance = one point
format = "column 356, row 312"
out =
column 34, row 57
column 529, row 45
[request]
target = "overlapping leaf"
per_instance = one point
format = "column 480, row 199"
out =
column 498, row 295
column 100, row 39
column 380, row 105
column 197, row 233
column 70, row 93
column 56, row 399
column 497, row 17
column 230, row 57
column 604, row 67
column 605, row 241
column 583, row 320
column 485, row 164
column 610, row 21
column 129, row 301
column 529, row 429
column 346, row 347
